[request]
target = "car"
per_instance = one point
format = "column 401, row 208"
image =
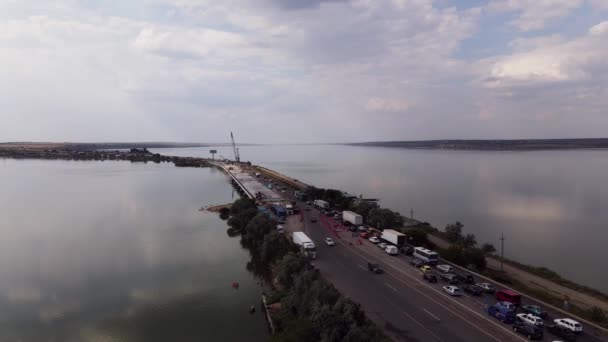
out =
column 474, row 290
column 450, row 278
column 382, row 245
column 374, row 239
column 313, row 219
column 504, row 311
column 329, row 242
column 531, row 331
column 374, row 268
column 416, row 262
column 352, row 228
column 364, row 235
column 535, row 310
column 530, row 319
column 426, row 269
column 391, row 250
column 466, row 278
column 430, row 277
column 452, row 290
column 407, row 250
column 487, row 287
column 561, row 332
column 362, row 228
column 445, row 268
column 569, row 323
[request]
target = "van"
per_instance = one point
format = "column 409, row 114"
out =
column 391, row 250
column 445, row 268
column 508, row 296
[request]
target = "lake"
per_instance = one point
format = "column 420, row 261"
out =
column 550, row 205
column 118, row 251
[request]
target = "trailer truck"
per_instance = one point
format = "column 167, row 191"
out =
column 354, row 218
column 307, row 247
column 393, row 237
column 322, row 204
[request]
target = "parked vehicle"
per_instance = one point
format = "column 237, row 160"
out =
column 426, row 255
column 362, row 228
column 329, row 242
column 452, row 290
column 535, row 310
column 430, row 277
column 445, row 268
column 394, row 237
column 449, row 278
column 531, row 331
column 508, row 296
column 530, row 319
column 374, row 268
column 416, row 262
column 391, row 250
column 374, row 239
column 502, row 311
column 280, row 228
column 364, row 235
column 322, row 204
column 466, row 278
column 382, row 245
column 353, row 218
column 426, row 269
column 407, row 250
column 489, row 288
column 474, row 290
column 307, row 246
column 561, row 332
column 569, row 323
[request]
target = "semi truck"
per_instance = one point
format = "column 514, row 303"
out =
column 321, row 204
column 393, row 237
column 307, row 246
column 354, row 218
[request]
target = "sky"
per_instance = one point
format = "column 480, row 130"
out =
column 302, row 71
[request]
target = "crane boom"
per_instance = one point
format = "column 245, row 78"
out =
column 236, row 151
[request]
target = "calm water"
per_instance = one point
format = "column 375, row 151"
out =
column 114, row 251
column 551, row 205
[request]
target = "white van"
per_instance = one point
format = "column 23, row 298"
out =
column 391, row 250
column 445, row 268
column 570, row 324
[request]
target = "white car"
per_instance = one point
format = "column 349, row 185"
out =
column 452, row 290
column 382, row 245
column 531, row 319
column 445, row 268
column 571, row 324
column 374, row 239
column 486, row 287
column 329, row 242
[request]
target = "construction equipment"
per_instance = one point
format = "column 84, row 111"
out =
column 236, row 150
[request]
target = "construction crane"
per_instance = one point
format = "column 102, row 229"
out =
column 237, row 158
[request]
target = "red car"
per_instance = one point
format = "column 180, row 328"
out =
column 364, row 235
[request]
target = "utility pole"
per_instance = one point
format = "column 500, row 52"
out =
column 502, row 251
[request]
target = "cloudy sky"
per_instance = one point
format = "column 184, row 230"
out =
column 276, row 71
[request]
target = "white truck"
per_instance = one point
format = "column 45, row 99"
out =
column 321, row 204
column 354, row 218
column 289, row 209
column 393, row 237
column 307, row 246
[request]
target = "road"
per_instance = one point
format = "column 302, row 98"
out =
column 399, row 301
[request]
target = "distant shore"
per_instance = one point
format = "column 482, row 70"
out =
column 494, row 145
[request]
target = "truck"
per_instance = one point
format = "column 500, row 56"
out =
column 307, row 246
column 354, row 218
column 289, row 209
column 300, row 195
column 322, row 204
column 393, row 237
column 279, row 212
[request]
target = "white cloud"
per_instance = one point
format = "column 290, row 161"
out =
column 599, row 29
column 387, row 105
column 535, row 14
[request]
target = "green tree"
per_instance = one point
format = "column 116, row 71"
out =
column 418, row 237
column 384, row 218
column 453, row 232
column 468, row 241
column 488, row 248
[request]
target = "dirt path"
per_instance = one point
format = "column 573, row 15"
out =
column 581, row 300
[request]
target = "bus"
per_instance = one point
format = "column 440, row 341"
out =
column 426, row 255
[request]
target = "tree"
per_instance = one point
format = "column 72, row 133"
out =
column 453, row 232
column 469, row 241
column 384, row 218
column 488, row 248
column 418, row 237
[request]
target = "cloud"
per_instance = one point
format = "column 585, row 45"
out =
column 535, row 14
column 386, row 105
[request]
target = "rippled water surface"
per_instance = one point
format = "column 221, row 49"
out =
column 115, row 251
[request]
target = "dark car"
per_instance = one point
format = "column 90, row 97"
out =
column 374, row 268
column 532, row 332
column 407, row 250
column 313, row 219
column 430, row 277
column 449, row 278
column 364, row 235
column 465, row 278
column 535, row 310
column 561, row 332
column 416, row 262
column 473, row 289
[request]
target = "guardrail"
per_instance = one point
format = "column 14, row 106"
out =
column 235, row 180
column 290, row 181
